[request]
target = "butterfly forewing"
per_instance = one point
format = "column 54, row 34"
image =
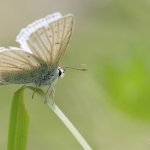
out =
column 39, row 45
column 48, row 42
column 64, row 38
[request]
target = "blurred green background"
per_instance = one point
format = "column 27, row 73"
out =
column 110, row 103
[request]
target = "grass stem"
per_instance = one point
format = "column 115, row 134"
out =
column 68, row 124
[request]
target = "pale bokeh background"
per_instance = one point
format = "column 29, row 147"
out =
column 110, row 103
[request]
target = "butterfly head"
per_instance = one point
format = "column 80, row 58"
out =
column 61, row 72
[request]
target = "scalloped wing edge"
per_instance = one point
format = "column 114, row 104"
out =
column 11, row 48
column 31, row 28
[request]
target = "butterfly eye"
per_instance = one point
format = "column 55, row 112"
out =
column 60, row 73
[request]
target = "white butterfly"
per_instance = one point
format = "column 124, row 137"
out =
column 42, row 45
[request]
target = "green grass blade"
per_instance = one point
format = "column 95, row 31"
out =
column 18, row 123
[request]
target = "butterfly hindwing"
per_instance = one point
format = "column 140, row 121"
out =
column 16, row 62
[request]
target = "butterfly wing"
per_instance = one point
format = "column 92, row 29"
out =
column 48, row 37
column 16, row 65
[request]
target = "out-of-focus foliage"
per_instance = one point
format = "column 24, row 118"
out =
column 127, row 82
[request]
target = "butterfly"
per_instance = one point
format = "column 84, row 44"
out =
column 42, row 46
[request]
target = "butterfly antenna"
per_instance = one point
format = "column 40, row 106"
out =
column 81, row 67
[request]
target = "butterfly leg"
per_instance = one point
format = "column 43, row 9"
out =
column 33, row 93
column 52, row 93
column 48, row 90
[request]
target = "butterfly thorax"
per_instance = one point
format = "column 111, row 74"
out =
column 39, row 77
column 45, row 76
